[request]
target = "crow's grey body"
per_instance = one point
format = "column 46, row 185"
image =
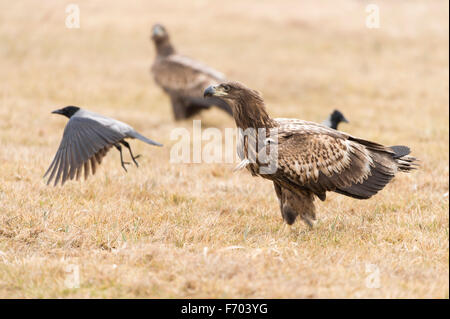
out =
column 86, row 140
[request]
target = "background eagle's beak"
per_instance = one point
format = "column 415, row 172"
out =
column 157, row 31
column 210, row 91
column 345, row 120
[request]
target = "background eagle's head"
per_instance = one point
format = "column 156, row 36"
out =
column 159, row 33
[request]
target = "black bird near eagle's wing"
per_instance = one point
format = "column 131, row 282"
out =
column 311, row 158
column 335, row 119
column 86, row 140
column 183, row 79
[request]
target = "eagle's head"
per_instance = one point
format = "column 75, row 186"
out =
column 247, row 104
column 231, row 91
column 159, row 33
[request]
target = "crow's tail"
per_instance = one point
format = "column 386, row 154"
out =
column 135, row 134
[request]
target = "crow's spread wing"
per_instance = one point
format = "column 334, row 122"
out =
column 85, row 142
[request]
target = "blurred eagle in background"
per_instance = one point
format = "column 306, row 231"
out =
column 183, row 79
column 311, row 159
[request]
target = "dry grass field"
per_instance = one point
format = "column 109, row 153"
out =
column 201, row 230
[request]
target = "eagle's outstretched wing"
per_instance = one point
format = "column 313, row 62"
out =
column 319, row 159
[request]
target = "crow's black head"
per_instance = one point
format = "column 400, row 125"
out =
column 67, row 111
column 337, row 117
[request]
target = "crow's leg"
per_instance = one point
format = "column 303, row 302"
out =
column 131, row 153
column 119, row 148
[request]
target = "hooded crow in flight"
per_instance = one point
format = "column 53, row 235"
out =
column 86, row 140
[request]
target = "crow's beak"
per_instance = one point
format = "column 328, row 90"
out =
column 210, row 91
column 59, row 111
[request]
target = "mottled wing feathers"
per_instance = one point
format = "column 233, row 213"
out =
column 293, row 125
column 85, row 142
column 322, row 160
column 382, row 170
column 181, row 75
column 304, row 155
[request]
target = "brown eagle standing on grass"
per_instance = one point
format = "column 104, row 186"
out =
column 183, row 79
column 311, row 158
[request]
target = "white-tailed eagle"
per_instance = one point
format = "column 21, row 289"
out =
column 311, row 159
column 183, row 79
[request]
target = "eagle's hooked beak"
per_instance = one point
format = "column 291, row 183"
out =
column 210, row 90
column 214, row 91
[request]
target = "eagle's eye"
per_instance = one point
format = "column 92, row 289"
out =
column 226, row 87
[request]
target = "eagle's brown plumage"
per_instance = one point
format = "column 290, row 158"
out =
column 183, row 79
column 312, row 159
